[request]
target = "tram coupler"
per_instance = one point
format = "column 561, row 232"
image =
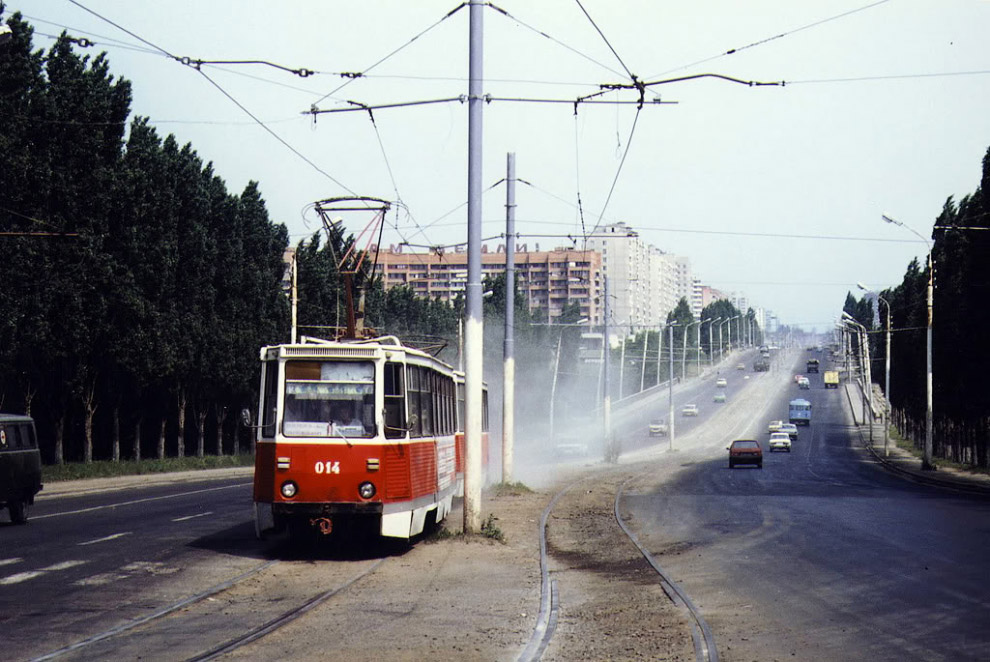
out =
column 324, row 524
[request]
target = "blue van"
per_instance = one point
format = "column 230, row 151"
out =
column 799, row 412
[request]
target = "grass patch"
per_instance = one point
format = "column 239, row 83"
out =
column 908, row 445
column 510, row 489
column 108, row 469
column 489, row 531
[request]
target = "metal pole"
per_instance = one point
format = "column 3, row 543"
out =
column 886, row 388
column 670, row 389
column 474, row 329
column 659, row 352
column 720, row 341
column 622, row 365
column 508, row 347
column 553, row 384
column 642, row 365
column 295, row 294
column 607, row 400
column 928, row 464
column 698, row 355
column 684, row 352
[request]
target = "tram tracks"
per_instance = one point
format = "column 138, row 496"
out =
column 620, row 567
column 198, row 627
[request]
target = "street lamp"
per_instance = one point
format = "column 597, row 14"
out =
column 926, row 462
column 700, row 324
column 886, row 386
column 684, row 348
column 864, row 362
column 711, row 348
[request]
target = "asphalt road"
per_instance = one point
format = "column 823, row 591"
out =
column 86, row 563
column 820, row 555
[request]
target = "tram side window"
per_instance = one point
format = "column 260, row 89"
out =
column 484, row 410
column 426, row 410
column 395, row 411
column 269, row 400
column 460, row 408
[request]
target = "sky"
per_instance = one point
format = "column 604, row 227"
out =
column 774, row 191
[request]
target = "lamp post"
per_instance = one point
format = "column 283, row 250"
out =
column 670, row 388
column 864, row 362
column 684, row 348
column 926, row 462
column 700, row 324
column 886, row 382
column 711, row 347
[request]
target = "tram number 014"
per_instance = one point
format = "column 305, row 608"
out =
column 328, row 467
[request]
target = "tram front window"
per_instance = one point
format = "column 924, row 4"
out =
column 329, row 399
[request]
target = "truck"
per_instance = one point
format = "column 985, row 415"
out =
column 761, row 365
column 831, row 379
column 813, row 365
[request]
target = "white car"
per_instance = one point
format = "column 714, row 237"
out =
column 690, row 410
column 780, row 441
column 790, row 429
column 721, row 383
column 774, row 426
column 804, row 383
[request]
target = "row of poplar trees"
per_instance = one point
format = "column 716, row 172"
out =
column 136, row 290
column 961, row 317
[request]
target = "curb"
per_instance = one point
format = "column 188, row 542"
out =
column 949, row 481
column 86, row 486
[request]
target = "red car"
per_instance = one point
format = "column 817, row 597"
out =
column 745, row 451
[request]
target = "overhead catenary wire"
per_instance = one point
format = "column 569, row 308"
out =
column 391, row 54
column 605, row 39
column 766, row 40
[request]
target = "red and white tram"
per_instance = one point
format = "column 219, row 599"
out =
column 359, row 433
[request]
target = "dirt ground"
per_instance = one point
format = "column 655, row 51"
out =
column 475, row 598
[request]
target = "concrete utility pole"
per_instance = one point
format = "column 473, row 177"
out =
column 670, row 389
column 474, row 329
column 508, row 346
column 642, row 365
column 610, row 453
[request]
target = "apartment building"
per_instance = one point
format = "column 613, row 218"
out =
column 547, row 279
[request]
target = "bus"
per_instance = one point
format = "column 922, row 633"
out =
column 359, row 435
column 799, row 412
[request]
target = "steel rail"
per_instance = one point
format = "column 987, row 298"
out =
column 256, row 633
column 161, row 613
column 704, row 641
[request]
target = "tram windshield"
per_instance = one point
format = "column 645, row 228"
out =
column 329, row 399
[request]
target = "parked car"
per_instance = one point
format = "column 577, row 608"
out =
column 719, row 397
column 790, row 429
column 721, row 383
column 658, row 428
column 780, row 441
column 689, row 410
column 20, row 465
column 774, row 426
column 745, row 451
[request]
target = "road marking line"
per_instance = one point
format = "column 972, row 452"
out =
column 105, row 538
column 188, row 517
column 137, row 501
column 10, row 561
column 31, row 574
column 20, row 577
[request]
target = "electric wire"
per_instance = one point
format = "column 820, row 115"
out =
column 733, row 51
column 556, row 41
column 391, row 54
column 618, row 172
column 605, row 39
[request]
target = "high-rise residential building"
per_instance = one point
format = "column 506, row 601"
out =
column 547, row 279
column 644, row 282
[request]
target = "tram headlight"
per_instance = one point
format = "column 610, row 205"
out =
column 289, row 489
column 366, row 490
